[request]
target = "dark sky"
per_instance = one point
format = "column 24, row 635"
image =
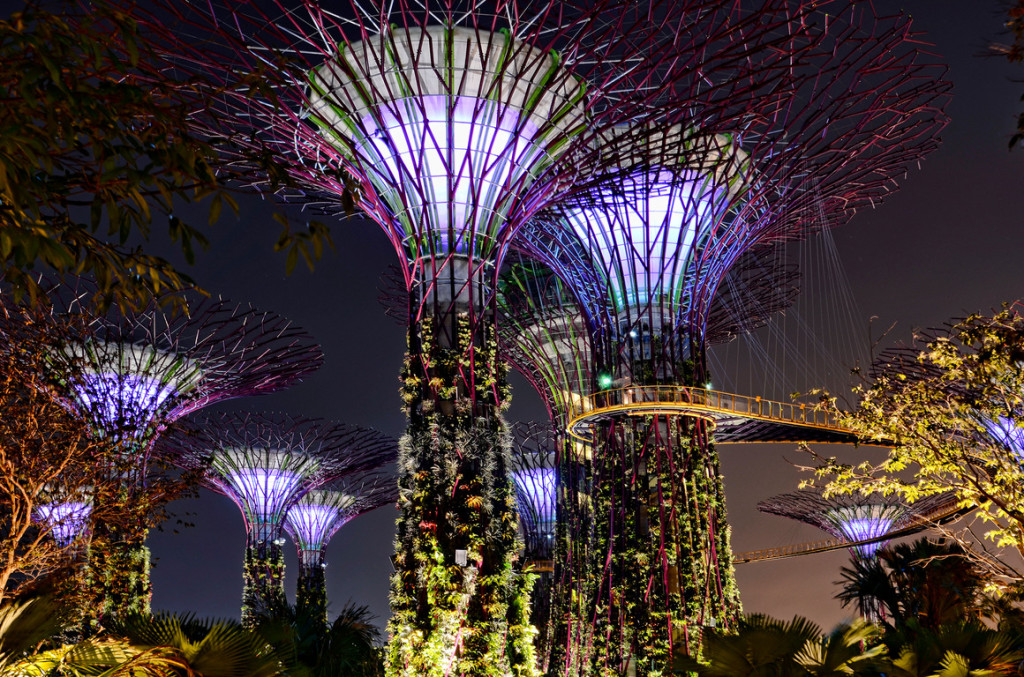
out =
column 950, row 241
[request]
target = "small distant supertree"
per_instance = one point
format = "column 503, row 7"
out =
column 265, row 464
column 863, row 521
column 129, row 373
column 534, row 464
column 314, row 519
column 68, row 518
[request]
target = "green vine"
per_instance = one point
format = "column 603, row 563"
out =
column 263, row 581
column 455, row 495
column 311, row 592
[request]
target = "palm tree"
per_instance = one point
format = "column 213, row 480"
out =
column 959, row 649
column 766, row 647
column 310, row 648
column 934, row 583
column 211, row 649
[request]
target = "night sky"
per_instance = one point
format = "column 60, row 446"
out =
column 949, row 242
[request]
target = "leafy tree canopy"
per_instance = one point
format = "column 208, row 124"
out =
column 951, row 411
column 95, row 151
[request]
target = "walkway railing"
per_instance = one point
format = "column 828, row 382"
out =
column 641, row 400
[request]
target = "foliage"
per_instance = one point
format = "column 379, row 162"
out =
column 211, row 649
column 929, row 583
column 950, row 412
column 95, row 149
column 455, row 494
column 24, row 624
column 309, row 647
column 263, row 582
column 761, row 646
column 46, row 455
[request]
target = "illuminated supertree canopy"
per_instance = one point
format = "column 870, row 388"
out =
column 68, row 520
column 532, row 464
column 867, row 522
column 265, row 464
column 456, row 122
column 129, row 373
column 314, row 519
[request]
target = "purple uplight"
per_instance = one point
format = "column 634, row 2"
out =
column 646, row 238
column 122, row 401
column 67, row 521
column 463, row 157
column 856, row 529
column 535, row 488
column 1006, row 432
column 265, row 492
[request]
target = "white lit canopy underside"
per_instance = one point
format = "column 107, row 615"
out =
column 123, row 387
column 450, row 131
column 315, row 518
column 646, row 229
column 864, row 522
column 264, row 483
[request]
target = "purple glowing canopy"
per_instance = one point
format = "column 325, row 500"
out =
column 863, row 523
column 644, row 229
column 314, row 519
column 264, row 482
column 535, row 488
column 452, row 138
column 1008, row 433
column 67, row 520
column 127, row 388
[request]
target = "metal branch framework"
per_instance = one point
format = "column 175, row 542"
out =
column 265, row 463
column 865, row 521
column 318, row 515
column 130, row 374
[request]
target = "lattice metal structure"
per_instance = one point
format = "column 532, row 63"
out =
column 129, row 374
column 265, row 463
column 863, row 521
column 545, row 483
column 545, row 337
column 796, row 149
column 314, row 519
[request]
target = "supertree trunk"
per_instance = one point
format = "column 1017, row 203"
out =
column 311, row 591
column 262, row 580
column 458, row 608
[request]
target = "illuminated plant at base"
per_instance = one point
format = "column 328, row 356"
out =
column 314, row 519
column 721, row 176
column 130, row 374
column 265, row 464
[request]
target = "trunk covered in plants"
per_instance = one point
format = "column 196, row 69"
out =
column 458, row 607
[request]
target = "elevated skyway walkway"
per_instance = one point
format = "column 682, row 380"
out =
column 736, row 418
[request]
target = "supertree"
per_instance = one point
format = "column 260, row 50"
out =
column 314, row 519
column 707, row 184
column 128, row 373
column 866, row 522
column 452, row 122
column 265, row 463
column 66, row 517
column 533, row 465
column 543, row 334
